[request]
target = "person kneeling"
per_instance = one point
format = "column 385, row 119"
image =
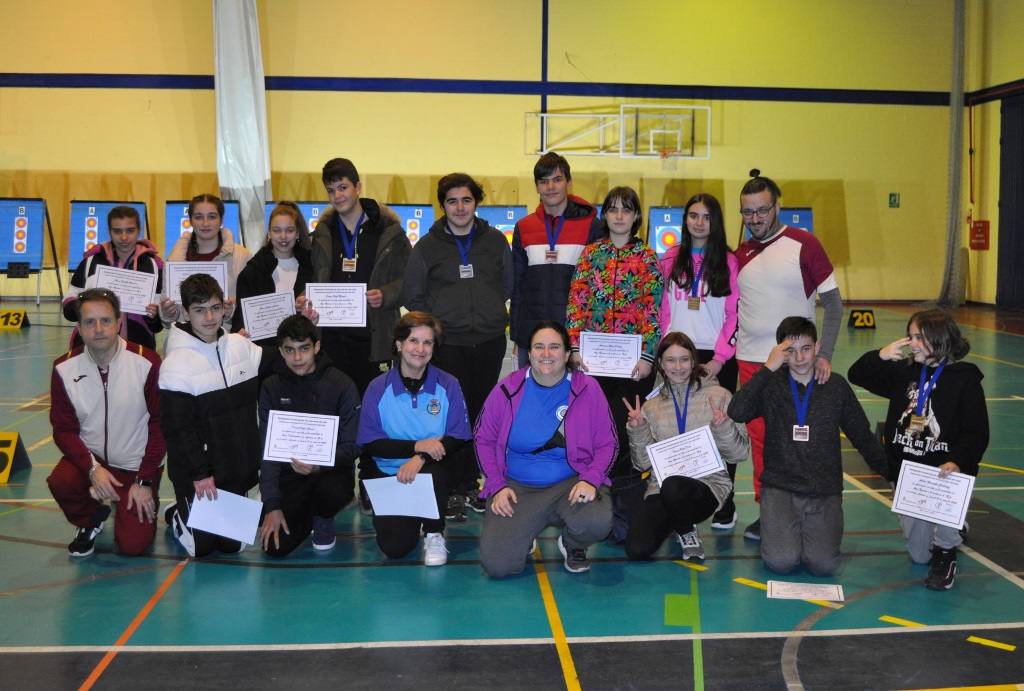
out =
column 802, row 495
column 546, row 441
column 414, row 418
column 300, row 497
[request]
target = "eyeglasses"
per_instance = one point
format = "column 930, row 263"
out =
column 761, row 213
column 96, row 294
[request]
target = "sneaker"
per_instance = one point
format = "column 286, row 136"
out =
column 942, row 571
column 474, row 502
column 182, row 533
column 435, row 552
column 725, row 518
column 533, row 549
column 456, row 510
column 323, row 533
column 84, row 543
column 965, row 531
column 169, row 512
column 692, row 549
column 575, row 559
column 753, row 531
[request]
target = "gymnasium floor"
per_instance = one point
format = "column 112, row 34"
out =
column 348, row 619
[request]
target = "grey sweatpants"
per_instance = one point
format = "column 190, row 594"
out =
column 800, row 529
column 505, row 542
column 922, row 535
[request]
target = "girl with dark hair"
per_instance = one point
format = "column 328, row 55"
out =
column 701, row 294
column 688, row 399
column 282, row 265
column 412, row 420
column 209, row 241
column 937, row 416
column 617, row 289
column 545, row 441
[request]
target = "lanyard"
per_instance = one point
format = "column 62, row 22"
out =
column 925, row 388
column 802, row 404
column 553, row 236
column 348, row 241
column 695, row 283
column 463, row 247
column 680, row 419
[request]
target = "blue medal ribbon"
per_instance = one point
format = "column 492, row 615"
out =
column 462, row 247
column 802, row 404
column 925, row 388
column 553, row 235
column 695, row 283
column 680, row 419
column 348, row 240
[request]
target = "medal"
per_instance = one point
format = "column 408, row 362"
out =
column 551, row 253
column 917, row 423
column 693, row 304
column 551, row 256
column 925, row 386
column 465, row 271
column 348, row 265
column 801, row 431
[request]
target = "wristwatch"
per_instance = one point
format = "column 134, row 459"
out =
column 144, row 483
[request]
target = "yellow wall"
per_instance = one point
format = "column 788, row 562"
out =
column 841, row 159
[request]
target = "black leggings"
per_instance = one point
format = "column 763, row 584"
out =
column 399, row 535
column 682, row 503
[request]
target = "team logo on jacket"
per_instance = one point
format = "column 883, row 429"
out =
column 560, row 413
column 434, row 407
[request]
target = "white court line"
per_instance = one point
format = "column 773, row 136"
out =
column 735, row 635
column 978, row 557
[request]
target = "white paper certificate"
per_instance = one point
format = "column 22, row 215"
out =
column 390, row 497
column 610, row 355
column 179, row 271
column 229, row 515
column 338, row 304
column 690, row 454
column 783, row 590
column 134, row 289
column 264, row 313
column 921, row 493
column 303, row 436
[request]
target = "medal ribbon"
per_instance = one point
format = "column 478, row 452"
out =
column 553, row 236
column 680, row 419
column 348, row 241
column 801, row 404
column 925, row 388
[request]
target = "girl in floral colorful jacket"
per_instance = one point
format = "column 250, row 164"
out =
column 617, row 289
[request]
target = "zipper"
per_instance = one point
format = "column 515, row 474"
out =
column 220, row 364
column 106, row 416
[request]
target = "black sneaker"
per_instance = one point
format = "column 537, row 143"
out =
column 753, row 531
column 942, row 571
column 474, row 502
column 725, row 518
column 576, row 560
column 84, row 543
column 456, row 510
column 169, row 512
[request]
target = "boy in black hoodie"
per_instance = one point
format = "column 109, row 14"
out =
column 300, row 497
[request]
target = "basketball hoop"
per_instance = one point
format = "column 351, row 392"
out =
column 668, row 161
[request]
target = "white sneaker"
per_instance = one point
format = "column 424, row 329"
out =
column 690, row 542
column 435, row 553
column 183, row 534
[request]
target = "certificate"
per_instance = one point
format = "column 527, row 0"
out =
column 784, row 590
column 338, row 304
column 264, row 313
column 305, row 437
column 921, row 493
column 610, row 355
column 134, row 289
column 179, row 271
column 690, row 454
column 390, row 497
column 229, row 515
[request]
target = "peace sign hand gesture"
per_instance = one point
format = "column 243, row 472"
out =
column 718, row 415
column 635, row 417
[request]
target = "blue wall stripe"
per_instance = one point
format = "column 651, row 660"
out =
column 485, row 87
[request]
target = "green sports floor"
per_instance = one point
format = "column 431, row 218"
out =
column 351, row 619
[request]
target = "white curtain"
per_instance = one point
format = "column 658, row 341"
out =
column 243, row 150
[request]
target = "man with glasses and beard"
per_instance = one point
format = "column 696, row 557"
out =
column 783, row 270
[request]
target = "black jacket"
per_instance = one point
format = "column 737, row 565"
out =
column 326, row 391
column 257, row 278
column 957, row 428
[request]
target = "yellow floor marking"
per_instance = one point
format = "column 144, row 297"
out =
column 994, row 687
column 900, row 622
column 990, row 643
column 690, row 565
column 1002, row 467
column 40, row 443
column 572, row 680
column 995, row 359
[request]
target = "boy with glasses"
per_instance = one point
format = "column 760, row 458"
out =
column 782, row 271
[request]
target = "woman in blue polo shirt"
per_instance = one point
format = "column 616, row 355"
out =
column 413, row 419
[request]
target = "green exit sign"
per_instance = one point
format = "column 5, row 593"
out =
column 894, row 200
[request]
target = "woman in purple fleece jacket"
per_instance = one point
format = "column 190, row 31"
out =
column 545, row 440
